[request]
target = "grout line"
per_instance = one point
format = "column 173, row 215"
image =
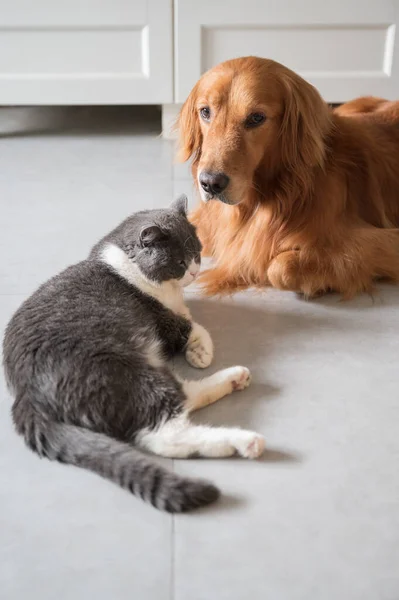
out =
column 172, row 533
column 172, row 551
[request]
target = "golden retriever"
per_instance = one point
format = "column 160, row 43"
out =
column 295, row 195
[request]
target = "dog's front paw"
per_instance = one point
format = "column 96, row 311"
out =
column 284, row 272
column 199, row 351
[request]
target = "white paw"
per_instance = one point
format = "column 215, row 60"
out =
column 199, row 352
column 240, row 378
column 252, row 445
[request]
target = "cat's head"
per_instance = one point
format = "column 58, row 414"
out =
column 161, row 244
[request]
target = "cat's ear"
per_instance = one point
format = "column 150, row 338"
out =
column 180, row 205
column 151, row 234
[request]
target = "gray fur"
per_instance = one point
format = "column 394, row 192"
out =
column 75, row 361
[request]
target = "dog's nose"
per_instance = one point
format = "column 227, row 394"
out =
column 213, row 183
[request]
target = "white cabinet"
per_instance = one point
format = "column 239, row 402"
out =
column 346, row 48
column 86, row 52
column 131, row 52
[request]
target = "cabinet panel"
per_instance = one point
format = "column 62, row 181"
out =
column 345, row 49
column 86, row 52
column 339, row 50
column 74, row 51
column 72, row 13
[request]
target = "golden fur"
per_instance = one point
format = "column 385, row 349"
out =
column 313, row 199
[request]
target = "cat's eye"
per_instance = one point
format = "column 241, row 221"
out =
column 205, row 113
column 254, row 120
column 182, row 263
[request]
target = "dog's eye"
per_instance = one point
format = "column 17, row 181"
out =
column 254, row 120
column 205, row 113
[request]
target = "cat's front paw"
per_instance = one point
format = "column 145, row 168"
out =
column 250, row 444
column 199, row 351
column 240, row 378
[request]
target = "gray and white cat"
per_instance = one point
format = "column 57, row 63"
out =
column 86, row 359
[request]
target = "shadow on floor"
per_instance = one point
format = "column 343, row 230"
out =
column 250, row 333
column 384, row 294
column 22, row 122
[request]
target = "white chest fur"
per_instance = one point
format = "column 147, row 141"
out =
column 169, row 293
column 199, row 350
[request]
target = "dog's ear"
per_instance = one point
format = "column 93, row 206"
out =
column 305, row 123
column 190, row 136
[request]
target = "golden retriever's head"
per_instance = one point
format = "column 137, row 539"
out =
column 245, row 122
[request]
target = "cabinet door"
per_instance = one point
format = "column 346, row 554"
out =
column 346, row 48
column 86, row 52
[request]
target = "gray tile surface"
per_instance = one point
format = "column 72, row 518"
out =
column 317, row 517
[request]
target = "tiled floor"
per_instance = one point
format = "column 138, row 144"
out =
column 316, row 518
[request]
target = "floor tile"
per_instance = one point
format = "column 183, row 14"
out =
column 316, row 517
column 66, row 533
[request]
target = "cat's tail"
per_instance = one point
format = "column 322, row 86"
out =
column 122, row 464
